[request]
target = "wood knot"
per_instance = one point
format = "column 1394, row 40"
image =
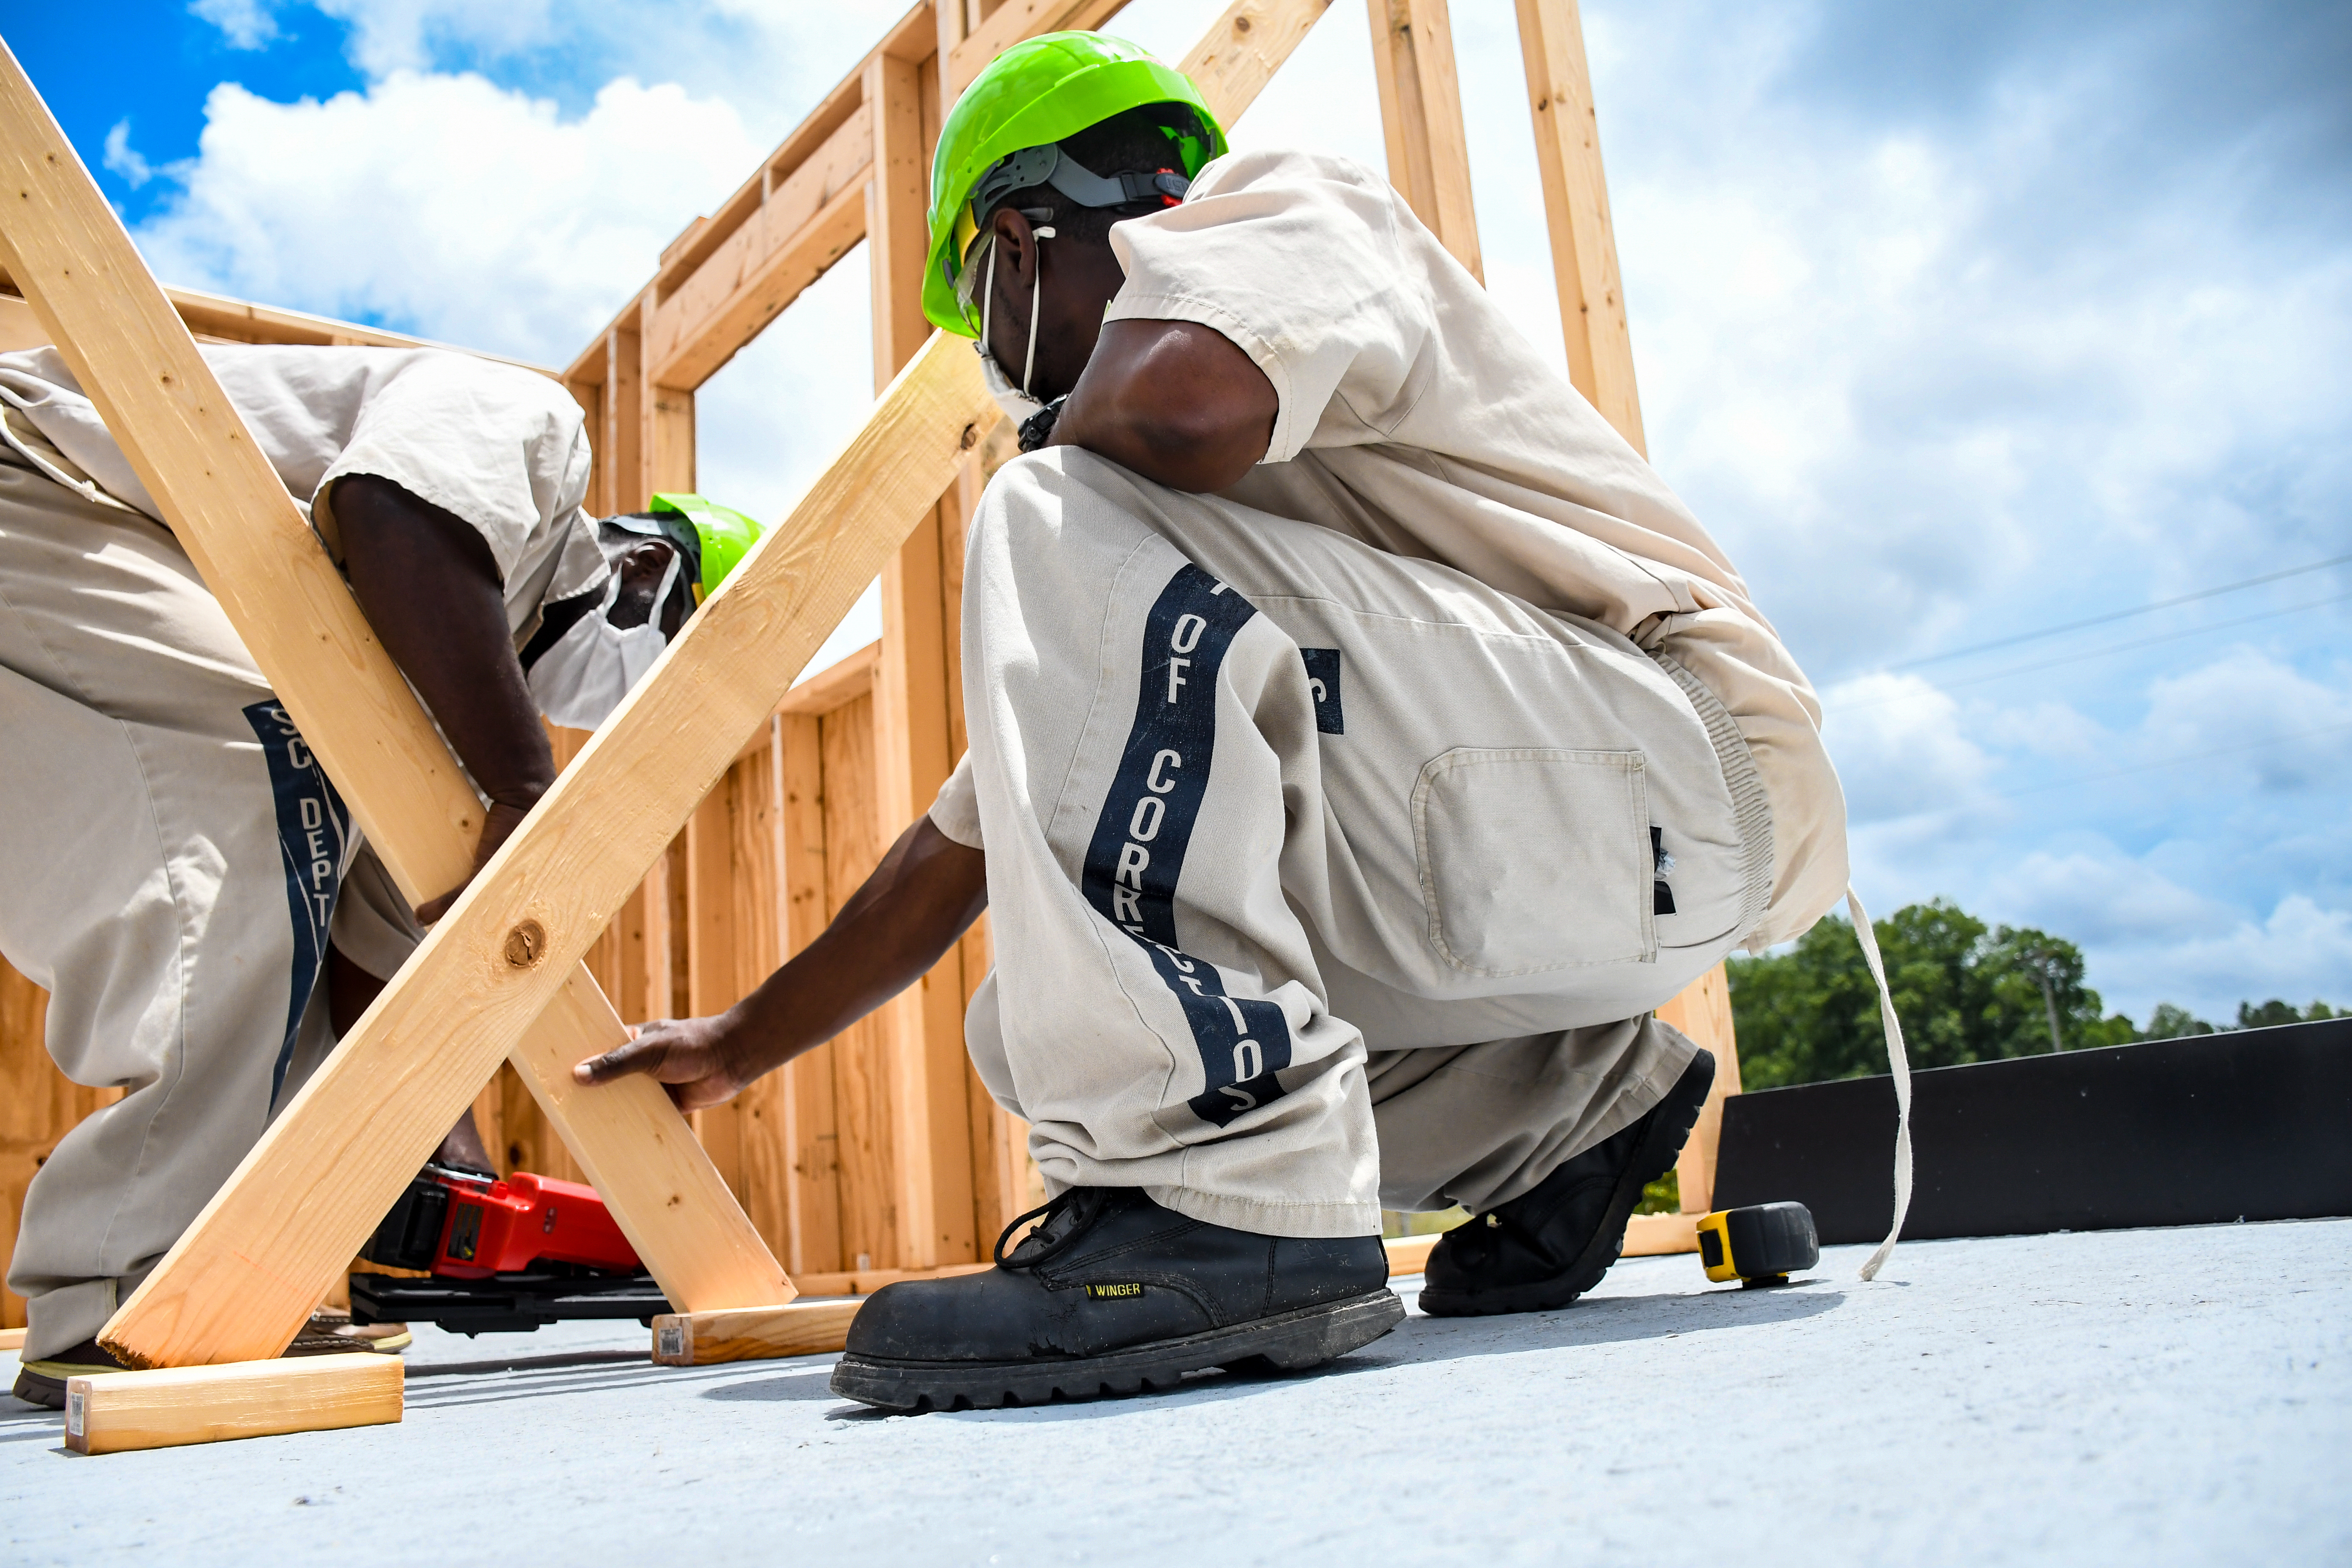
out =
column 526, row 945
column 971, row 435
column 1241, row 24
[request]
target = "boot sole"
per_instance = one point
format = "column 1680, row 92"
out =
column 1291, row 1341
column 45, row 1393
column 1670, row 1129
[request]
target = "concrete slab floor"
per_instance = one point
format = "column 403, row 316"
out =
column 2147, row 1397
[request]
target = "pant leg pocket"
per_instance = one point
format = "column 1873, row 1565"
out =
column 1535, row 858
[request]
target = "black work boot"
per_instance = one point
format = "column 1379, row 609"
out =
column 43, row 1381
column 330, row 1331
column 1547, row 1247
column 1114, row 1294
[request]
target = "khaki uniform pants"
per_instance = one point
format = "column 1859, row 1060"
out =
column 170, row 858
column 1321, row 879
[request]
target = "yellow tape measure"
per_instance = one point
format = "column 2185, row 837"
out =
column 1762, row 1244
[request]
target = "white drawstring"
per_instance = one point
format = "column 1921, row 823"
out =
column 1036, row 281
column 987, row 293
column 1900, row 1064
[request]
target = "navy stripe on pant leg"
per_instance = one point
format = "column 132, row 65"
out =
column 313, row 832
column 1141, row 839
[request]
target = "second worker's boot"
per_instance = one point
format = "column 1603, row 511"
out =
column 1550, row 1245
column 1115, row 1294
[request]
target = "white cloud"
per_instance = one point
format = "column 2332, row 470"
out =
column 2303, row 951
column 243, row 23
column 2098, row 896
column 1903, row 753
column 388, row 36
column 446, row 205
column 2265, row 725
column 123, row 158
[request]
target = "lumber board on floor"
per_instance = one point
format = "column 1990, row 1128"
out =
column 1410, row 1254
column 11, row 1339
column 752, row 1334
column 1652, row 1235
column 121, row 1411
column 1646, row 1236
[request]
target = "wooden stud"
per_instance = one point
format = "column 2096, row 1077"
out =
column 752, row 1334
column 119, row 1412
column 1421, row 117
column 809, row 218
column 812, row 1147
column 1576, row 211
column 1008, row 25
column 872, row 1189
column 1600, row 364
column 920, row 1031
column 38, row 1105
column 1703, row 1012
column 761, row 1177
column 627, row 424
column 709, row 948
column 898, row 187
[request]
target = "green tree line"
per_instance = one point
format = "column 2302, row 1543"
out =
column 1965, row 991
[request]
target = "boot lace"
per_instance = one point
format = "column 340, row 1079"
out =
column 1063, row 1216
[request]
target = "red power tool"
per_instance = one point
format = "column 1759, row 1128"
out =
column 505, row 1255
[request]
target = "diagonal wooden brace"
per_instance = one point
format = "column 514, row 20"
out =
column 68, row 252
column 240, row 1280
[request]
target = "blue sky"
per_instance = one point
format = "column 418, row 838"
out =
column 1955, row 323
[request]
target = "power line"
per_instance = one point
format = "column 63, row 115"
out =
column 2120, row 615
column 2102, row 652
column 2176, row 762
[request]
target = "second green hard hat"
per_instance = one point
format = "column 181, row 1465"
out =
column 1033, row 95
column 723, row 534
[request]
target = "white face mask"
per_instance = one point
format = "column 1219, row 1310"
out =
column 579, row 681
column 1018, row 405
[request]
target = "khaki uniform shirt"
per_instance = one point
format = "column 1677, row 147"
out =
column 503, row 448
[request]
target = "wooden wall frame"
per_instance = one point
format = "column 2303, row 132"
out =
column 879, row 1156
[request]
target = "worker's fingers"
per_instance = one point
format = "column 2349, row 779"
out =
column 679, row 1053
column 639, row 1053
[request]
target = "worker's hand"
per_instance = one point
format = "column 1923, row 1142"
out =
column 687, row 1057
column 498, row 824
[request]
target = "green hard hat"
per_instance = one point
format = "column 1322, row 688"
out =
column 725, row 536
column 1031, row 96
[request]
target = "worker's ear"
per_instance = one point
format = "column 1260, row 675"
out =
column 1016, row 249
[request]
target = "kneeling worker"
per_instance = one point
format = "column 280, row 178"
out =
column 175, row 866
column 1364, row 739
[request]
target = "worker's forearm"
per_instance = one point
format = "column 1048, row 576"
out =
column 430, row 590
column 923, row 895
